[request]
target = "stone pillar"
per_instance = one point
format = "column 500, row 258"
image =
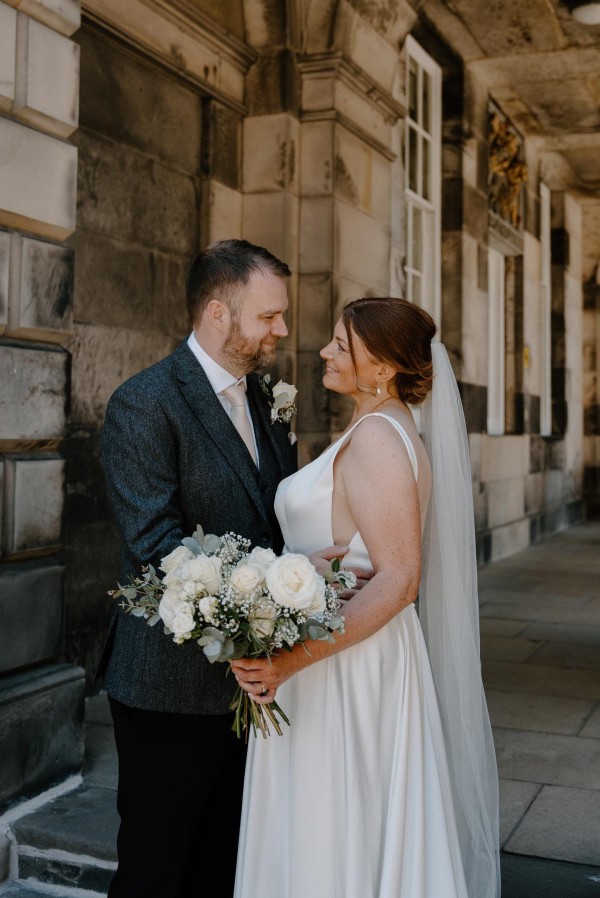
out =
column 41, row 697
column 591, row 355
column 351, row 101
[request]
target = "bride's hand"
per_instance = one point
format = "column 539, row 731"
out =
column 255, row 675
column 322, row 559
column 322, row 562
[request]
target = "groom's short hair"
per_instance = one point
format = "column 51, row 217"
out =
column 221, row 269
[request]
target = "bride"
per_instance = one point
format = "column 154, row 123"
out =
column 385, row 786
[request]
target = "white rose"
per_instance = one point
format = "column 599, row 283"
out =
column 247, row 578
column 183, row 622
column 294, row 583
column 204, row 571
column 283, row 394
column 261, row 556
column 208, row 607
column 175, row 558
column 168, row 607
column 189, row 589
column 262, row 620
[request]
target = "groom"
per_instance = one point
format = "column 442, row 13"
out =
column 189, row 441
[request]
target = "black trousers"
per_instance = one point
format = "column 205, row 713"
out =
column 179, row 798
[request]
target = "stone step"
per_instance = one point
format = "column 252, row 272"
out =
column 20, row 889
column 69, row 843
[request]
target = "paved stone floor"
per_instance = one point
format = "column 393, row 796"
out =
column 540, row 626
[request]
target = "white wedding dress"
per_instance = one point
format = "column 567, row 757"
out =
column 354, row 799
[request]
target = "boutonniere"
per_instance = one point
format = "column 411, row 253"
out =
column 281, row 399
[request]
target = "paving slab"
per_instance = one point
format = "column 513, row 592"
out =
column 592, row 725
column 574, row 634
column 540, row 713
column 562, row 654
column 540, row 679
column 562, row 824
column 571, row 761
column 527, row 877
column 515, row 799
column 493, row 626
column 503, row 648
column 529, row 609
column 524, row 598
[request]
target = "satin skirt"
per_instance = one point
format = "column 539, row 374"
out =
column 354, row 800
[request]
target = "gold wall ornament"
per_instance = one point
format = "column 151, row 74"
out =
column 507, row 171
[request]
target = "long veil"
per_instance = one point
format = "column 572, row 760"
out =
column 449, row 615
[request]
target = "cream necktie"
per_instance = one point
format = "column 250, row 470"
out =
column 236, row 396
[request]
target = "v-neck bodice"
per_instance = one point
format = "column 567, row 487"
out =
column 303, row 503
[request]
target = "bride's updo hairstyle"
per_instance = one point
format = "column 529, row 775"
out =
column 398, row 333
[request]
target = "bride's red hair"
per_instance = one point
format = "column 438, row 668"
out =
column 398, row 333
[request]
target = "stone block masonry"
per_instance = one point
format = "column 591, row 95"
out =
column 40, row 696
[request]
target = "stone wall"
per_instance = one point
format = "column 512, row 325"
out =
column 138, row 223
column 39, row 87
column 590, row 274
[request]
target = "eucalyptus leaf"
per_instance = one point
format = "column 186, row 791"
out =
column 316, row 632
column 210, row 634
column 130, row 593
column 137, row 611
column 335, row 565
column 198, row 534
column 211, row 543
column 153, row 620
column 190, row 543
column 227, row 651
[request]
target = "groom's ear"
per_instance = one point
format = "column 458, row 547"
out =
column 218, row 315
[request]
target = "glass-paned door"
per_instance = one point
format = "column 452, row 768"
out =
column 423, row 179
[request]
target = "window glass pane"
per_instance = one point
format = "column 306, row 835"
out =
column 426, row 150
column 426, row 121
column 412, row 89
column 417, row 239
column 412, row 159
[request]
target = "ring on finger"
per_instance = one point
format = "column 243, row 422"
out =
column 264, row 689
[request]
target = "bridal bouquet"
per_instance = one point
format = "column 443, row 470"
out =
column 238, row 603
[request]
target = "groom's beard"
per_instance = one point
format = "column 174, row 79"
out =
column 247, row 354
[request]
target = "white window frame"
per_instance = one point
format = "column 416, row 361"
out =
column 496, row 345
column 431, row 288
column 545, row 313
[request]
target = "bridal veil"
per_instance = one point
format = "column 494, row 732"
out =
column 449, row 615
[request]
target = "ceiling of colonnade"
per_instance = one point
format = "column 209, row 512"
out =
column 540, row 64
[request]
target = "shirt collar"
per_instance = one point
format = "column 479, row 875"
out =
column 218, row 377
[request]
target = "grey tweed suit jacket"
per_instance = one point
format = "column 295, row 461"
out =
column 173, row 460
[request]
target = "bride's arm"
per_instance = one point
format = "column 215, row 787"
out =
column 382, row 496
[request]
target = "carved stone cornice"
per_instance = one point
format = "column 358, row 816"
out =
column 183, row 39
column 369, row 96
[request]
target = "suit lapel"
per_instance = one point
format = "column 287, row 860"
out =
column 207, row 408
column 276, row 434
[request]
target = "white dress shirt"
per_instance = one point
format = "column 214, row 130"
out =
column 219, row 380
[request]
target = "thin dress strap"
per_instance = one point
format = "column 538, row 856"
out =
column 400, row 430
